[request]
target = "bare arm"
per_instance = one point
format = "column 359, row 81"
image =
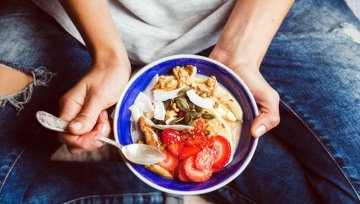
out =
column 93, row 20
column 242, row 46
column 100, row 88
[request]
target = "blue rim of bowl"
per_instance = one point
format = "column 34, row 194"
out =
column 248, row 95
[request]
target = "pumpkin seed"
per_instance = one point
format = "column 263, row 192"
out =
column 195, row 115
column 183, row 91
column 176, row 120
column 191, row 105
column 199, row 109
column 155, row 121
column 208, row 116
column 187, row 118
column 182, row 104
column 158, row 122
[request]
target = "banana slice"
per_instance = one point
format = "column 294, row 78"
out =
column 219, row 126
column 228, row 101
column 222, row 110
column 157, row 169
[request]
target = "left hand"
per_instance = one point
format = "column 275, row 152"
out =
column 265, row 96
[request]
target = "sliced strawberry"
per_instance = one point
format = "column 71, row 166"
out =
column 202, row 141
column 204, row 159
column 194, row 174
column 169, row 136
column 189, row 151
column 222, row 150
column 170, row 162
column 181, row 173
column 199, row 127
column 175, row 148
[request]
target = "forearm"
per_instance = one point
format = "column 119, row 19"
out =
column 249, row 31
column 94, row 22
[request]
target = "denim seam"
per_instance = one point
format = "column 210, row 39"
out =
column 11, row 168
column 326, row 149
column 110, row 195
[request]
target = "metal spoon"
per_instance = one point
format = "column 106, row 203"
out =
column 136, row 153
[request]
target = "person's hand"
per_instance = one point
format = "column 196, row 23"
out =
column 265, row 96
column 84, row 106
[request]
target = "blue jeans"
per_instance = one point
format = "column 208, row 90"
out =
column 313, row 156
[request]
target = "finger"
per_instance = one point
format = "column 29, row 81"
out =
column 89, row 141
column 70, row 105
column 269, row 114
column 86, row 119
column 104, row 118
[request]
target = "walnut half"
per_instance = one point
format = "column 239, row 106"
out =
column 183, row 74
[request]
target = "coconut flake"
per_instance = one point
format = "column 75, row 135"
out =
column 174, row 127
column 159, row 112
column 160, row 95
column 169, row 120
column 135, row 113
column 197, row 100
column 143, row 98
column 136, row 133
column 151, row 84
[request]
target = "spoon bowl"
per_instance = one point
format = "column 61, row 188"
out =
column 136, row 153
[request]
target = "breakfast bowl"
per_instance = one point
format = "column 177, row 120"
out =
column 245, row 144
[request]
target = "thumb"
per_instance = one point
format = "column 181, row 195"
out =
column 86, row 119
column 269, row 113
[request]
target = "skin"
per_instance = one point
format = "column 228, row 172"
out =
column 242, row 46
column 101, row 87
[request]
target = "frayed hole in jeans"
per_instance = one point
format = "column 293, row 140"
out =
column 16, row 87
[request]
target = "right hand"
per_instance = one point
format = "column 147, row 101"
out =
column 84, row 106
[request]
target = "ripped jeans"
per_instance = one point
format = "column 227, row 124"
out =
column 313, row 156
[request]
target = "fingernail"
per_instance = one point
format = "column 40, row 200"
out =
column 76, row 125
column 103, row 128
column 260, row 130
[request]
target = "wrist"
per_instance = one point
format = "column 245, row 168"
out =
column 112, row 61
column 235, row 56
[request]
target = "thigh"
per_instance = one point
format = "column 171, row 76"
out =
column 274, row 175
column 313, row 63
column 90, row 182
column 313, row 155
column 33, row 43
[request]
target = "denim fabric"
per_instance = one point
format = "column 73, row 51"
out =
column 312, row 157
column 314, row 154
column 34, row 43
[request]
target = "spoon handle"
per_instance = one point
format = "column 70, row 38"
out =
column 56, row 124
column 110, row 142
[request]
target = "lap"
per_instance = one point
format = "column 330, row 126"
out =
column 313, row 155
column 35, row 44
column 316, row 71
